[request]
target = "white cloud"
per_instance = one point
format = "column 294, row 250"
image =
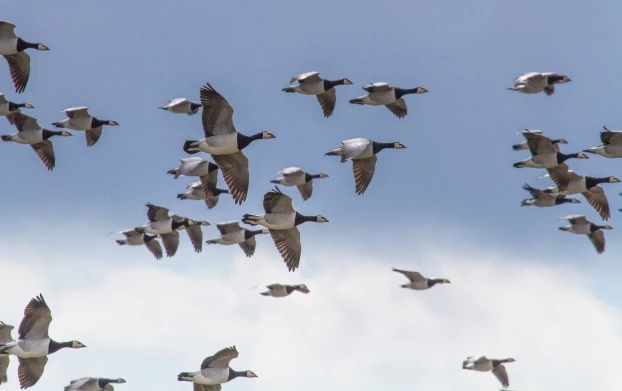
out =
column 357, row 329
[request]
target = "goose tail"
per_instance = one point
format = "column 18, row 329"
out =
column 265, row 293
column 121, row 242
column 189, row 147
column 334, row 152
column 288, row 89
column 6, row 138
column 182, row 196
column 357, row 101
column 184, row 376
column 251, row 219
column 58, row 124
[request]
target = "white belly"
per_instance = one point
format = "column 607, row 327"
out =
column 548, row 160
column 159, row 227
column 8, row 46
column 583, row 229
column 212, row 376
column 368, row 152
column 80, row 123
column 575, row 187
column 219, row 145
column 311, row 88
column 279, row 220
column 383, row 97
column 28, row 137
column 28, row 348
column 233, row 238
column 419, row 285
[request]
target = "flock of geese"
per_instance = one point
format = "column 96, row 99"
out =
column 280, row 219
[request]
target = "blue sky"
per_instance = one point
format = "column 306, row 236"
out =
column 453, row 189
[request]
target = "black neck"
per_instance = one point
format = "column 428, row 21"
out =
column 95, row 122
column 433, row 281
column 328, row 84
column 399, row 92
column 176, row 224
column 561, row 157
column 309, row 177
column 233, row 374
column 104, row 382
column 594, row 227
column 562, row 200
column 244, row 140
column 148, row 238
column 591, row 181
column 553, row 78
column 212, row 167
column 56, row 346
column 15, row 106
column 303, row 219
column 290, row 288
column 46, row 134
column 22, row 45
column 194, row 105
column 218, row 191
column 377, row 147
column 250, row 233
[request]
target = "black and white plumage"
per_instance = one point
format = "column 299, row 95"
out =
column 483, row 364
column 544, row 153
column 195, row 232
column 133, row 238
column 196, row 192
column 207, row 173
column 5, row 337
column 232, row 233
column 182, row 106
column 281, row 290
column 78, row 118
column 536, row 82
column 29, row 132
column 382, row 94
column 224, row 143
column 311, row 83
column 7, row 107
column 12, row 48
column 543, row 198
column 215, row 370
column 295, row 176
column 362, row 152
column 34, row 344
column 93, row 384
column 581, row 226
column 419, row 282
column 165, row 225
column 568, row 182
column 611, row 144
column 282, row 220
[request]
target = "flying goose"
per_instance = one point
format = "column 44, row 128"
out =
column 13, row 49
column 232, row 233
column 182, row 106
column 29, row 132
column 581, row 226
column 7, row 107
column 93, row 384
column 311, row 83
column 195, row 233
column 612, row 144
column 134, row 238
column 5, row 336
column 282, row 220
column 207, row 173
column 419, row 282
column 215, row 370
column 544, row 154
column 224, row 143
column 33, row 344
column 568, row 182
column 362, row 152
column 535, row 82
column 522, row 146
column 164, row 225
column 78, row 118
column 279, row 290
column 294, row 176
column 382, row 94
column 483, row 364
column 543, row 198
column 195, row 192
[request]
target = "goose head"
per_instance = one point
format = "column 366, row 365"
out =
column 581, row 155
column 562, row 141
column 250, row 374
column 420, row 90
column 113, row 123
column 613, row 179
column 65, row 133
column 119, row 381
column 606, row 227
column 347, row 81
column 77, row 345
column 323, row 175
column 575, row 201
column 267, row 135
column 398, row 145
column 302, row 288
column 42, row 47
column 564, row 79
column 28, row 106
column 321, row 219
column 508, row 360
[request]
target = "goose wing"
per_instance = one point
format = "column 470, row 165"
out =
column 4, row 365
column 327, row 100
column 248, row 246
column 45, row 151
column 19, row 67
column 398, row 108
column 221, row 359
column 309, row 76
column 292, row 171
column 275, row 201
column 350, row 149
column 77, row 112
column 275, row 286
column 195, row 233
column 30, row 370
column 208, row 185
column 598, row 240
column 93, row 135
column 363, row 170
column 5, row 332
column 76, row 384
column 205, row 387
column 377, row 87
column 7, row 30
column 36, row 321
column 535, row 193
column 306, row 190
column 228, row 227
column 539, row 144
column 154, row 248
column 562, row 176
column 502, row 375
column 131, row 233
column 412, row 276
column 217, row 114
column 287, row 241
column 575, row 219
column 170, row 242
column 156, row 212
column 598, row 200
column 22, row 121
column 610, row 137
column 234, row 169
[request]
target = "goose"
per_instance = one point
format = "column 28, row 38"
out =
column 279, row 290
column 294, row 176
column 29, row 132
column 224, row 143
column 93, row 384
column 542, row 198
column 133, row 238
column 78, row 118
column 162, row 224
column 382, row 94
column 581, row 226
column 195, row 192
column 612, row 144
column 555, row 142
column 311, row 83
column 544, row 154
column 33, row 344
column 232, row 233
column 5, row 336
column 13, row 49
column 568, row 182
column 215, row 370
column 7, row 107
column 207, row 173
column 282, row 220
column 535, row 82
column 419, row 282
column 195, row 233
column 362, row 152
column 181, row 106
column 483, row 364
